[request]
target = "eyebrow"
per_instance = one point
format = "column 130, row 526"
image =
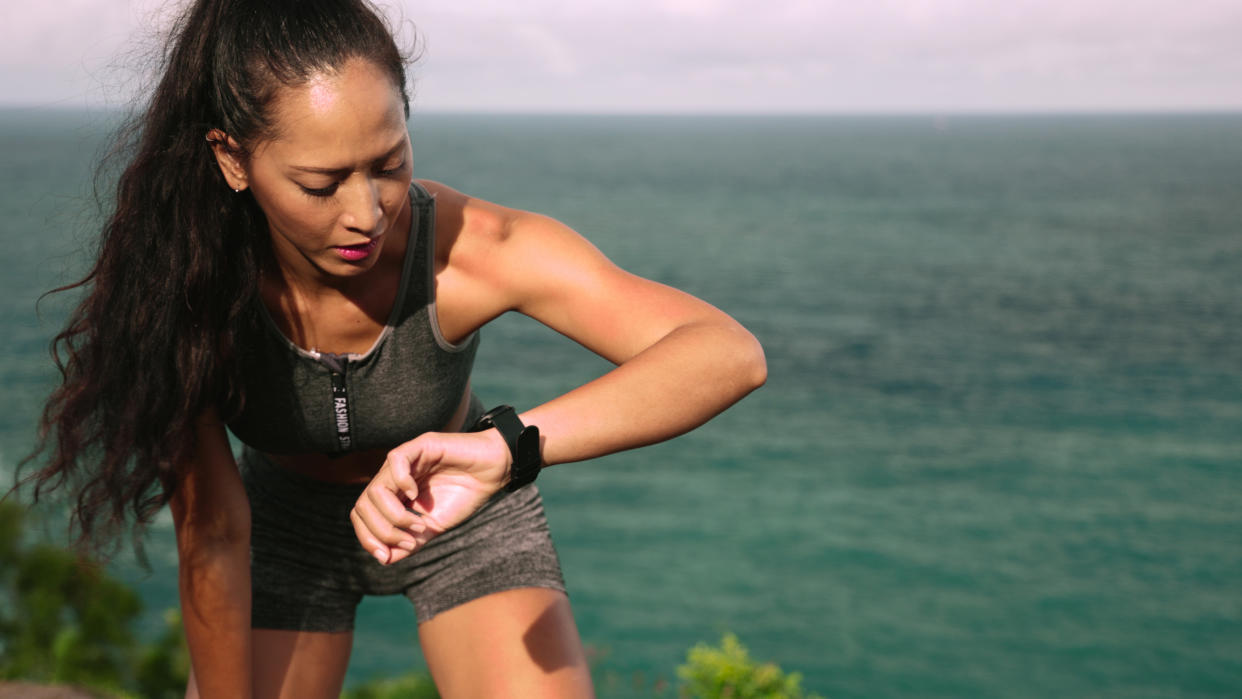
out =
column 342, row 170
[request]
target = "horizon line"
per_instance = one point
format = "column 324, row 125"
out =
column 739, row 113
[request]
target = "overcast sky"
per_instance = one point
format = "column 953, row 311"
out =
column 721, row 55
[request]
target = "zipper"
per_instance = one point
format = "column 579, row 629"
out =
column 338, row 365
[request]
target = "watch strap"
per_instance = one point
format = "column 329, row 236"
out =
column 522, row 440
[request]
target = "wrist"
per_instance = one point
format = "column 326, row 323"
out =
column 522, row 442
column 499, row 458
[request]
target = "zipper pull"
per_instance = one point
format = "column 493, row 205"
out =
column 338, row 365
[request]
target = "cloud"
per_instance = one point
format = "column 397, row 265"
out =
column 783, row 55
column 71, row 52
column 876, row 55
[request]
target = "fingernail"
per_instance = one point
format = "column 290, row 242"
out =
column 407, row 545
column 380, row 555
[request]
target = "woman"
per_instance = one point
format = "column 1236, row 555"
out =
column 271, row 266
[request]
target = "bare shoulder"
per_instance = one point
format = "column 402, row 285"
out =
column 466, row 219
column 461, row 218
column 491, row 259
column 473, row 235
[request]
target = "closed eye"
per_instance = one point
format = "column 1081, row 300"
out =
column 396, row 170
column 321, row 192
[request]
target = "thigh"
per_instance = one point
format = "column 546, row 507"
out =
column 506, row 545
column 299, row 664
column 307, row 570
column 295, row 664
column 516, row 643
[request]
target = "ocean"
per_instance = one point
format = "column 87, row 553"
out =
column 999, row 452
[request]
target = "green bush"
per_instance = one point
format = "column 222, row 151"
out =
column 66, row 622
column 727, row 672
column 412, row 686
column 63, row 621
column 164, row 666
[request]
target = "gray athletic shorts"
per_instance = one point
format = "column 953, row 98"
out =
column 308, row 572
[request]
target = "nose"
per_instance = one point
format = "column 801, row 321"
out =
column 362, row 210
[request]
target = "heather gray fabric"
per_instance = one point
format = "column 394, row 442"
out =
column 309, row 572
column 410, row 381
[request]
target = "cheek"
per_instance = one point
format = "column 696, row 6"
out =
column 394, row 195
column 288, row 211
column 296, row 216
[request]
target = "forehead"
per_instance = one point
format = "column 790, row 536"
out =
column 339, row 115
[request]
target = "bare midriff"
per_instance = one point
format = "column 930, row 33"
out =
column 356, row 466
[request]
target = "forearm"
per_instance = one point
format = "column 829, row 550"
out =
column 215, row 604
column 677, row 384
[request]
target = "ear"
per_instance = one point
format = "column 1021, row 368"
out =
column 229, row 157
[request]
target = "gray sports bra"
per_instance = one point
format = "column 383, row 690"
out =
column 411, row 380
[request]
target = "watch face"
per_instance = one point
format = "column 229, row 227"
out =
column 496, row 418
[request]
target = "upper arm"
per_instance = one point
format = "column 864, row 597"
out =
column 572, row 287
column 516, row 260
column 209, row 505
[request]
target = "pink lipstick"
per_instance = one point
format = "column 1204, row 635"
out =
column 354, row 253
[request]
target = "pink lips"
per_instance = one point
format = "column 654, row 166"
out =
column 353, row 253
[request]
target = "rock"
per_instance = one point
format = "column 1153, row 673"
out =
column 26, row 690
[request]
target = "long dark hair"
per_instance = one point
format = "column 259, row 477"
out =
column 159, row 335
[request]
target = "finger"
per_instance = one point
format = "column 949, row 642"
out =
column 393, row 509
column 420, row 539
column 368, row 540
column 381, row 528
column 398, row 554
column 401, row 473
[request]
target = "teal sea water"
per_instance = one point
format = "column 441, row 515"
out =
column 1000, row 449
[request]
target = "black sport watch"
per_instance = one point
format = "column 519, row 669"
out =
column 523, row 441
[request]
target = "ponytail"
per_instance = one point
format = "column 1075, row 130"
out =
column 159, row 336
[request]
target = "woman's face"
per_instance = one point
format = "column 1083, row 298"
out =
column 335, row 177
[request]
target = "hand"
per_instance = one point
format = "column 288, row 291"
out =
column 426, row 487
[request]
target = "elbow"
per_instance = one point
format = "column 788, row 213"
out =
column 758, row 374
column 755, row 371
column 209, row 564
column 209, row 549
column 206, row 540
column 749, row 365
column 213, row 580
